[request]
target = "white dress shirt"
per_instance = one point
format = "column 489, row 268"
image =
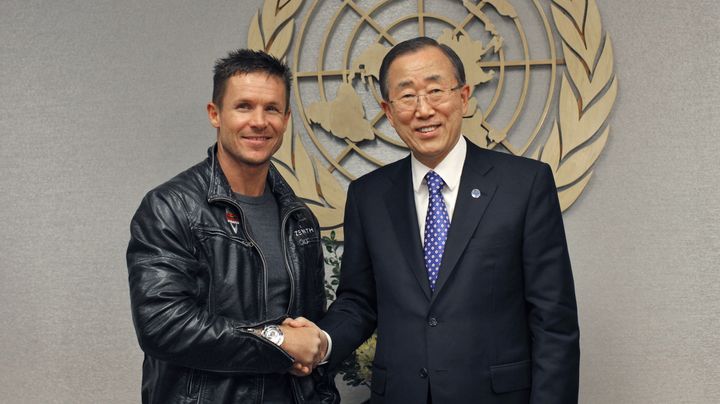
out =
column 450, row 170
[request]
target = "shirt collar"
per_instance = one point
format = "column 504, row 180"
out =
column 450, row 168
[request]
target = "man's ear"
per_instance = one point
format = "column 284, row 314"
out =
column 465, row 97
column 213, row 114
column 287, row 118
column 388, row 113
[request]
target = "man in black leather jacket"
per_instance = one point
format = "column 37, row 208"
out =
column 223, row 253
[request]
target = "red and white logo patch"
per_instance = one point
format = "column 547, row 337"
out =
column 232, row 219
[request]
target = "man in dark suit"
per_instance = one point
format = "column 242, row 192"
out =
column 457, row 254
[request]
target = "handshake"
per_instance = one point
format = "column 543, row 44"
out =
column 305, row 342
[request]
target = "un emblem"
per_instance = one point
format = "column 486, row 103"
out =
column 540, row 73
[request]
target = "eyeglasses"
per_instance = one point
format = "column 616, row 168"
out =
column 434, row 97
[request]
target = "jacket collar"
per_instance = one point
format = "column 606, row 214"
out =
column 475, row 193
column 400, row 203
column 219, row 187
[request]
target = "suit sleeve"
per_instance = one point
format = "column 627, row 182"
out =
column 550, row 296
column 351, row 319
column 171, row 321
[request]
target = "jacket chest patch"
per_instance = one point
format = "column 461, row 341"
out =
column 232, row 220
column 304, row 235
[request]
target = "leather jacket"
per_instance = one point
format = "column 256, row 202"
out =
column 198, row 285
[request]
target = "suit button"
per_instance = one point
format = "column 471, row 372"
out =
column 432, row 322
column 423, row 373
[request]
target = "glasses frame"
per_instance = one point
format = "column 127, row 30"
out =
column 397, row 102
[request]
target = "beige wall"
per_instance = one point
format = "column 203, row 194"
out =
column 102, row 100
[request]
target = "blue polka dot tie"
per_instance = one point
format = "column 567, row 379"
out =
column 437, row 224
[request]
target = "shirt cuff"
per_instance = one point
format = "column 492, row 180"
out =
column 329, row 349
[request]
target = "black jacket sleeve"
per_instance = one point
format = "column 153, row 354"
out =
column 171, row 322
column 550, row 297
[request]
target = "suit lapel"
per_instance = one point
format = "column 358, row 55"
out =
column 469, row 209
column 400, row 201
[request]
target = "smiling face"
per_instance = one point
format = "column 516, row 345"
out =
column 251, row 121
column 429, row 131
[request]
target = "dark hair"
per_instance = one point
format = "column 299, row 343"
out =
column 412, row 46
column 244, row 61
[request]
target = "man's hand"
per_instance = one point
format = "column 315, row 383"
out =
column 305, row 342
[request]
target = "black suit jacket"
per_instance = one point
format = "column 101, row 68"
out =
column 501, row 325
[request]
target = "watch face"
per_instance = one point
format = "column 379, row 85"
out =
column 273, row 333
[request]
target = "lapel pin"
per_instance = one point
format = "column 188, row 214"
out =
column 475, row 193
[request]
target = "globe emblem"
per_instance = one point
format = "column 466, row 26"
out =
column 338, row 94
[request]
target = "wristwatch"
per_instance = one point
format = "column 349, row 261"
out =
column 273, row 334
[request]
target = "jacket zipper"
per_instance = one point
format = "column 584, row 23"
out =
column 283, row 242
column 287, row 261
column 257, row 247
column 262, row 258
column 293, row 381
